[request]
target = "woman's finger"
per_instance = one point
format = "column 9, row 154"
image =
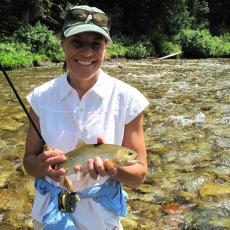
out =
column 98, row 164
column 47, row 154
column 91, row 169
column 55, row 160
column 55, row 174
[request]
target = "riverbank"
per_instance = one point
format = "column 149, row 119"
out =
column 35, row 45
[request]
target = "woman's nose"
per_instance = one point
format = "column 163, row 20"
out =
column 87, row 49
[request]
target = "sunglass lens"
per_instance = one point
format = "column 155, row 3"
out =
column 77, row 15
column 101, row 20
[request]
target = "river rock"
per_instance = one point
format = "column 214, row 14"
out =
column 129, row 223
column 158, row 149
column 221, row 222
column 4, row 146
column 186, row 197
column 10, row 125
column 4, row 179
column 214, row 190
column 173, row 208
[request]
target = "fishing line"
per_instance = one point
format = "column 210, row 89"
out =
column 22, row 104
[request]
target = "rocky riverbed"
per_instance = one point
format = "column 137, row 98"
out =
column 187, row 130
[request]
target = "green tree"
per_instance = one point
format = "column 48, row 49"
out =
column 176, row 15
column 131, row 17
column 218, row 16
column 199, row 12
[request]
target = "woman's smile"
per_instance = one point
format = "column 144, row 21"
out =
column 85, row 63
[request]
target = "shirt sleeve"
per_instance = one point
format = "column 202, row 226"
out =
column 33, row 101
column 136, row 103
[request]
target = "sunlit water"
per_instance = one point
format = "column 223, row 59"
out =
column 187, row 130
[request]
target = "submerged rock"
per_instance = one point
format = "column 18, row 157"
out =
column 221, row 222
column 158, row 149
column 4, row 146
column 129, row 223
column 10, row 125
column 214, row 190
column 202, row 219
column 174, row 208
column 4, row 179
column 186, row 197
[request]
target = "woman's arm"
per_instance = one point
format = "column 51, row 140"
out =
column 37, row 162
column 132, row 175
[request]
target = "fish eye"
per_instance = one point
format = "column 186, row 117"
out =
column 130, row 153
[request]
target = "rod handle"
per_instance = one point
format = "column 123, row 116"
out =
column 46, row 147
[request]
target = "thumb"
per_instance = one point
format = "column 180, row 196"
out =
column 100, row 140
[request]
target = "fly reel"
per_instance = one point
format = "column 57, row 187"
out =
column 67, row 201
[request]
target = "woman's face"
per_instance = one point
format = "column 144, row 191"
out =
column 84, row 54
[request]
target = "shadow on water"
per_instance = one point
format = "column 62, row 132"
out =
column 187, row 130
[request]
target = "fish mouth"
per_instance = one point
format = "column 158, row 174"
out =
column 132, row 162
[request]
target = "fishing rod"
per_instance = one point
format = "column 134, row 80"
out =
column 22, row 105
column 66, row 199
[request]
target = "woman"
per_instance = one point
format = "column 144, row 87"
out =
column 88, row 105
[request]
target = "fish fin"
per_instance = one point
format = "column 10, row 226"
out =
column 80, row 143
column 62, row 180
column 66, row 182
column 79, row 176
column 82, row 173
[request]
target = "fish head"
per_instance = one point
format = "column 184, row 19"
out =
column 126, row 156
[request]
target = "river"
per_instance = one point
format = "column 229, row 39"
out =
column 187, row 131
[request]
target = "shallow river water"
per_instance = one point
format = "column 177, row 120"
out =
column 187, row 130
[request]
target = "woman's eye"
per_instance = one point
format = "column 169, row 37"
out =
column 78, row 43
column 95, row 44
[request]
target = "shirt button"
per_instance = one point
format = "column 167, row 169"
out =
column 97, row 198
column 81, row 110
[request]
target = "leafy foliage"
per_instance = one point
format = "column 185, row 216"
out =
column 130, row 17
column 40, row 39
column 169, row 47
column 198, row 10
column 116, row 50
column 201, row 44
column 139, row 28
column 15, row 55
column 138, row 50
column 177, row 16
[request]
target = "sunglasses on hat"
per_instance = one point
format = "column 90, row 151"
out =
column 81, row 16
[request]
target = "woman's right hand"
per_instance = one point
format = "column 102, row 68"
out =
column 47, row 161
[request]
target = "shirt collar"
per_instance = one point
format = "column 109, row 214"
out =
column 102, row 87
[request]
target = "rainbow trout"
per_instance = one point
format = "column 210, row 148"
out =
column 118, row 156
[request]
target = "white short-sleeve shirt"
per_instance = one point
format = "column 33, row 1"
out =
column 64, row 119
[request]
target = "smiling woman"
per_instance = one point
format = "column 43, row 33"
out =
column 85, row 104
column 84, row 55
